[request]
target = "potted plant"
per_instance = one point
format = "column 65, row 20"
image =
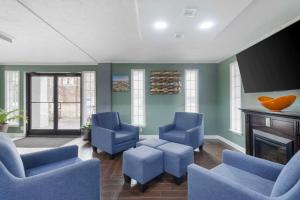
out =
column 6, row 116
column 86, row 131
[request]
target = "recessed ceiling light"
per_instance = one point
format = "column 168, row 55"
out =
column 160, row 25
column 206, row 25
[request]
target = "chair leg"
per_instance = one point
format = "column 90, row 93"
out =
column 94, row 149
column 177, row 180
column 201, row 147
column 112, row 156
column 142, row 187
column 127, row 179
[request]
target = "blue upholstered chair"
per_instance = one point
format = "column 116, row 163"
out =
column 111, row 135
column 52, row 174
column 244, row 177
column 187, row 128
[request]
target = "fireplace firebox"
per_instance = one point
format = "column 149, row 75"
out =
column 272, row 147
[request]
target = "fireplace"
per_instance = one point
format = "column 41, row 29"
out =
column 272, row 147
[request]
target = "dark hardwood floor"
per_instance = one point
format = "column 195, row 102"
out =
column 113, row 187
column 112, row 182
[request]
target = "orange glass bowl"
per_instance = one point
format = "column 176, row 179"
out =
column 278, row 104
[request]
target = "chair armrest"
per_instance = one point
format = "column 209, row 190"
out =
column 264, row 168
column 130, row 128
column 204, row 184
column 103, row 138
column 78, row 181
column 36, row 159
column 194, row 136
column 166, row 128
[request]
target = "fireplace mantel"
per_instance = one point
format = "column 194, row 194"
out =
column 283, row 124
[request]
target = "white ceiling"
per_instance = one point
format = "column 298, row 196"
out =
column 91, row 31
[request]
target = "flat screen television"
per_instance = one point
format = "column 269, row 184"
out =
column 272, row 64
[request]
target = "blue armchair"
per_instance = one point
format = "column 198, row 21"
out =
column 52, row 174
column 187, row 128
column 243, row 177
column 111, row 135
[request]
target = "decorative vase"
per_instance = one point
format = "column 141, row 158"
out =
column 4, row 128
column 86, row 134
column 277, row 104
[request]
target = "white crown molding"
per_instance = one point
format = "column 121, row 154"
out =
column 259, row 39
column 164, row 61
column 47, row 64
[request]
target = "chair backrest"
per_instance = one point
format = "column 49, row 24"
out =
column 10, row 157
column 108, row 120
column 288, row 177
column 185, row 120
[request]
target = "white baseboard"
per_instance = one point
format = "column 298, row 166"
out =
column 226, row 141
column 212, row 137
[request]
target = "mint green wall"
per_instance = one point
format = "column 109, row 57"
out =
column 160, row 108
column 36, row 68
column 249, row 100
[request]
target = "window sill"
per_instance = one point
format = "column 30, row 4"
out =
column 236, row 132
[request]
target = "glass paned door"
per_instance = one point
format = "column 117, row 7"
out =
column 54, row 105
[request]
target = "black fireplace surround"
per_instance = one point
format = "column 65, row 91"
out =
column 273, row 136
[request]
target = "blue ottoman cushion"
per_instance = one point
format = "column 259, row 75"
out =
column 143, row 163
column 151, row 142
column 176, row 158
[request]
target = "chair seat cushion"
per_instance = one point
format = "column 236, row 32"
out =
column 249, row 180
column 51, row 166
column 124, row 136
column 175, row 136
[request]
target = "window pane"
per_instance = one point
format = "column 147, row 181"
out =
column 12, row 101
column 89, row 95
column 137, row 97
column 42, row 116
column 235, row 98
column 191, row 91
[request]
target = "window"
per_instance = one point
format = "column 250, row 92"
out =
column 12, row 100
column 235, row 99
column 138, row 97
column 191, row 90
column 89, row 95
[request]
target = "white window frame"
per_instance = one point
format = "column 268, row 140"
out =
column 133, row 106
column 8, row 95
column 87, row 114
column 188, row 83
column 235, row 104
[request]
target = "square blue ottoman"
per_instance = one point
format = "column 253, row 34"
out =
column 142, row 164
column 151, row 142
column 177, row 157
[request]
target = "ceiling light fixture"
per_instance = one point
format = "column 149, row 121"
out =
column 206, row 25
column 5, row 37
column 160, row 25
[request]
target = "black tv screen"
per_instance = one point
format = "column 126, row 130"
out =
column 272, row 64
